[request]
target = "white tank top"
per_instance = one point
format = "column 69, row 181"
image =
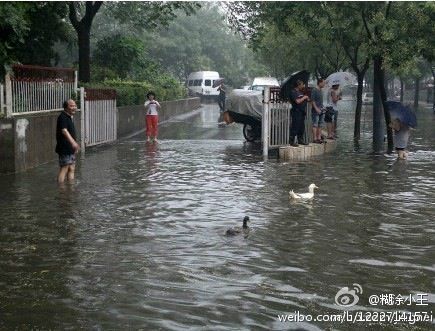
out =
column 330, row 103
column 151, row 107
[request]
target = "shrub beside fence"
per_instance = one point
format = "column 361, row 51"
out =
column 133, row 93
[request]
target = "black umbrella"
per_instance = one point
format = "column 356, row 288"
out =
column 218, row 82
column 290, row 83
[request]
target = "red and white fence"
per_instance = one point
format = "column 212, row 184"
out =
column 32, row 89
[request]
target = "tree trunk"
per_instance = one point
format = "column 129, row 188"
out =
column 416, row 93
column 378, row 130
column 83, row 29
column 386, row 112
column 84, row 43
column 359, row 91
column 401, row 89
column 433, row 87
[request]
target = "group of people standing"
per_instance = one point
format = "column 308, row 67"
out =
column 319, row 112
column 329, row 113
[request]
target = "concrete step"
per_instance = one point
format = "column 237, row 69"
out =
column 306, row 152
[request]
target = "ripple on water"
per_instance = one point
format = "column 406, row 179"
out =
column 138, row 241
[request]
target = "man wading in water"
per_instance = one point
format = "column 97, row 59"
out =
column 66, row 144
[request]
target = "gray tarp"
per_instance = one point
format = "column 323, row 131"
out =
column 246, row 102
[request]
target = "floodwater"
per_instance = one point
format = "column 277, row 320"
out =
column 137, row 242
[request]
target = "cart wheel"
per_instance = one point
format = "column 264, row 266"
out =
column 251, row 133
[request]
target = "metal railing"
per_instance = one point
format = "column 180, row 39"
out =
column 276, row 121
column 100, row 113
column 2, row 100
column 32, row 89
column 279, row 124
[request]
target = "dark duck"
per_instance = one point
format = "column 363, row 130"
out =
column 237, row 230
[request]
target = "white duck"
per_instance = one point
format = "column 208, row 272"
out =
column 303, row 196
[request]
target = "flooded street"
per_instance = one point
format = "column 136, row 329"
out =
column 137, row 242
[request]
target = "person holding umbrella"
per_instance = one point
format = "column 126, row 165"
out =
column 402, row 120
column 400, row 138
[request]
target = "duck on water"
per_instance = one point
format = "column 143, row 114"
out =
column 303, row 196
column 237, row 230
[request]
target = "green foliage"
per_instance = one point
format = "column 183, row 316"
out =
column 102, row 73
column 28, row 31
column 203, row 41
column 150, row 14
column 290, row 36
column 191, row 42
column 46, row 26
column 121, row 62
column 123, row 57
column 133, row 93
column 119, row 53
column 13, row 28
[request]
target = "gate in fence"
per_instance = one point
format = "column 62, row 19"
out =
column 99, row 120
column 276, row 121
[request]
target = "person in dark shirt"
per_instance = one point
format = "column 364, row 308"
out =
column 317, row 110
column 66, row 144
column 299, row 102
column 222, row 96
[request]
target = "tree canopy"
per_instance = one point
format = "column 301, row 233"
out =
column 28, row 31
column 348, row 35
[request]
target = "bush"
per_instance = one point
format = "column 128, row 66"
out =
column 134, row 93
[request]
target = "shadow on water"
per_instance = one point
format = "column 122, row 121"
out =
column 138, row 240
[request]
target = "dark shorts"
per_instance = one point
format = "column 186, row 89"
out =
column 65, row 160
column 329, row 115
column 317, row 119
column 399, row 149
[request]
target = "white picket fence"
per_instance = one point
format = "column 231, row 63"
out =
column 31, row 89
column 100, row 121
column 279, row 124
column 34, row 89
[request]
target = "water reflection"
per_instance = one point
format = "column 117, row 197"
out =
column 138, row 240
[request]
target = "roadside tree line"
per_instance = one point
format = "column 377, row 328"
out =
column 126, row 45
column 324, row 37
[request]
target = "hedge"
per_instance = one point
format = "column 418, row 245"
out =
column 134, row 93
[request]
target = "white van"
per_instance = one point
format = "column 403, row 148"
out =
column 201, row 83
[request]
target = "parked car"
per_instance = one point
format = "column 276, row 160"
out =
column 260, row 82
column 367, row 98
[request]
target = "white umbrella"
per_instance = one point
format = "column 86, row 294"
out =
column 342, row 78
